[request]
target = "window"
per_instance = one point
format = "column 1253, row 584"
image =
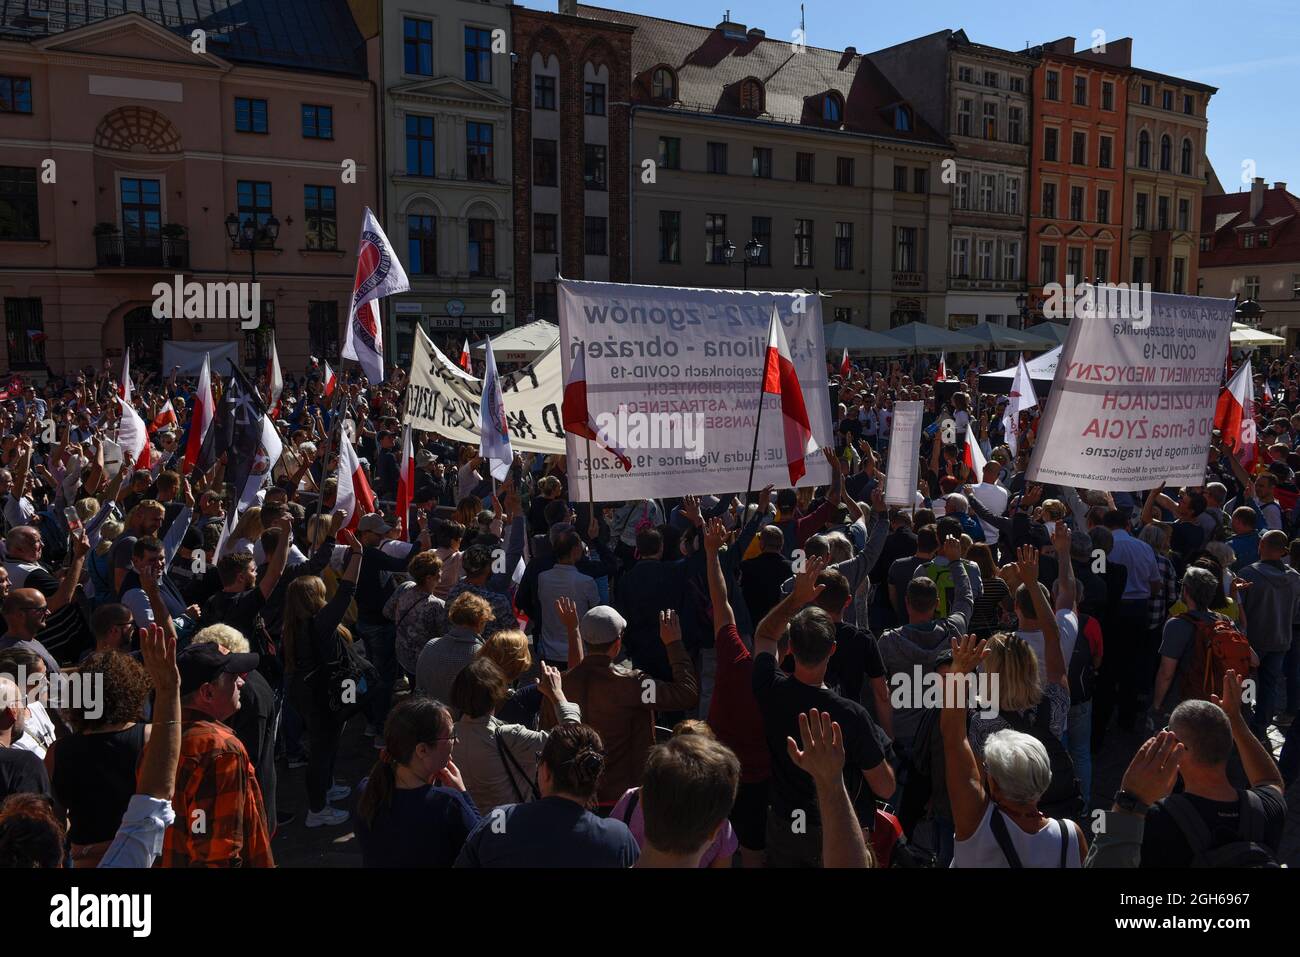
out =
column 832, row 108
column 1139, row 269
column 482, row 248
column 25, row 333
column 900, row 179
column 1184, row 214
column 984, row 259
column 478, row 152
column 545, row 232
column 478, row 55
column 594, row 166
column 1144, row 94
column 988, row 190
column 761, row 163
column 1248, row 241
column 317, row 122
column 717, row 157
column 990, row 121
column 545, row 301
column 844, row 171
column 1167, row 100
column 1180, row 274
column 543, row 92
column 1046, row 265
column 715, row 237
column 1252, row 287
column 902, row 119
column 1295, row 285
column 1166, row 153
column 670, row 152
column 1105, row 147
column 670, row 236
column 323, row 329
column 965, row 74
column 751, row 96
column 803, row 167
column 419, row 146
column 1103, row 206
column 663, row 84
column 1100, row 265
column 1140, row 211
column 250, row 115
column 321, row 217
column 1011, row 195
column 965, row 109
column 1053, row 90
column 761, row 230
column 593, row 99
column 1016, row 84
column 1079, row 149
column 905, row 249
column 16, row 97
column 1076, row 203
column 18, row 205
column 1015, row 124
column 546, row 167
column 1074, row 264
column 960, row 257
column 843, row 313
column 1162, row 212
column 1185, row 158
column 417, row 46
column 1189, row 104
column 990, row 79
column 921, row 180
column 1156, row 273
column 422, row 243
column 1080, row 91
column 1207, row 244
column 1011, row 260
column 803, row 242
column 1049, row 200
column 1051, row 137
column 843, row 245
column 595, row 233
column 1107, row 95
column 1144, row 150
column 961, row 195
column 254, row 201
column 142, row 216
column 1263, row 238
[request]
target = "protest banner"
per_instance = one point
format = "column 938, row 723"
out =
column 1132, row 402
column 445, row 399
column 903, row 471
column 673, row 379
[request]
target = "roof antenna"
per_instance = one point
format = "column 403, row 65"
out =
column 803, row 32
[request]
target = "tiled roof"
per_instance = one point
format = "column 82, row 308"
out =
column 710, row 67
column 314, row 35
column 1225, row 216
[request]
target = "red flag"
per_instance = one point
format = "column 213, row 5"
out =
column 973, row 456
column 354, row 494
column 405, row 479
column 779, row 378
column 165, row 418
column 1234, row 416
column 331, row 380
column 201, row 421
column 464, row 362
column 124, row 385
column 577, row 419
column 845, row 367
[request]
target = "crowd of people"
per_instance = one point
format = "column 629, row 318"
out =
column 693, row 682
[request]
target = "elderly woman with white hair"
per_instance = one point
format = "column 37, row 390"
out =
column 995, row 809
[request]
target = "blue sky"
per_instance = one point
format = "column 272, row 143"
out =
column 1249, row 49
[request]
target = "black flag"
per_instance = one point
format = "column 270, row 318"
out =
column 238, row 428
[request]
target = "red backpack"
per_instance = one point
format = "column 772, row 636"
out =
column 1217, row 647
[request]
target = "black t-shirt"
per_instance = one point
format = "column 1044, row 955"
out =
column 856, row 658
column 781, row 699
column 1163, row 844
column 241, row 611
column 420, row 827
column 21, row 772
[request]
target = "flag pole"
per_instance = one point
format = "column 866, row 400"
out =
column 758, row 420
column 591, row 496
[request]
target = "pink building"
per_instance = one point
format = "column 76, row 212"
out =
column 125, row 147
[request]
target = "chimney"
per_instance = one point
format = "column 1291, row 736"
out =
column 1257, row 188
column 729, row 28
column 1280, row 186
column 850, row 51
column 568, row 8
column 755, row 35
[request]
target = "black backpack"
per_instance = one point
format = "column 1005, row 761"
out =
column 1064, row 797
column 1248, row 851
column 1079, row 668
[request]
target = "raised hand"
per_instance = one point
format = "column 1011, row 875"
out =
column 1027, row 564
column 715, row 535
column 567, row 612
column 1230, row 700
column 551, row 683
column 806, row 589
column 822, row 756
column 670, row 627
column 967, row 652
column 159, row 654
column 1153, row 770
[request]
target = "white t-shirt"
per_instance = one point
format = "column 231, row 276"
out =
column 1067, row 623
column 994, row 498
column 1042, row 849
column 38, row 731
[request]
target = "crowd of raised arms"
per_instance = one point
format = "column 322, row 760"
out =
column 810, row 678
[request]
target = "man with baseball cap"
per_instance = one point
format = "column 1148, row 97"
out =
column 220, row 819
column 619, row 701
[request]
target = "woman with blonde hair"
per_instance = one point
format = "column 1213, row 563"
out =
column 416, row 610
column 247, row 531
column 509, row 651
column 314, row 645
column 467, row 510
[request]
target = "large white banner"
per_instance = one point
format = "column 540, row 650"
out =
column 1132, row 403
column 189, row 356
column 903, row 472
column 673, row 379
column 444, row 398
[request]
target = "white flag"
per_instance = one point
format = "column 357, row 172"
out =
column 379, row 274
column 494, row 430
column 1023, row 398
column 268, row 453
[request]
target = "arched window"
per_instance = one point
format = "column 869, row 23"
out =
column 1166, row 153
column 1144, row 150
column 751, row 96
column 832, row 108
column 144, row 333
column 663, row 84
column 1185, row 162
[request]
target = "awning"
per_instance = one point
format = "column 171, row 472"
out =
column 1042, row 370
column 523, row 343
column 923, row 337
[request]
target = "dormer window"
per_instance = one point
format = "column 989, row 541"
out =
column 663, row 84
column 902, row 119
column 751, row 96
column 832, row 108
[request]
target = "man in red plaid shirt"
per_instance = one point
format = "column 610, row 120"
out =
column 220, row 820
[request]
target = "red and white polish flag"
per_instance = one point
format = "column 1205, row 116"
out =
column 577, row 418
column 165, row 418
column 132, row 436
column 779, row 378
column 464, row 361
column 845, row 366
column 1234, row 416
column 405, row 479
column 274, row 381
column 974, row 457
column 331, row 381
column 124, row 384
column 201, row 420
column 941, row 375
column 355, row 496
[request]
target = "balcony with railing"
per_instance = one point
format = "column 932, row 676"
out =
column 114, row 251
